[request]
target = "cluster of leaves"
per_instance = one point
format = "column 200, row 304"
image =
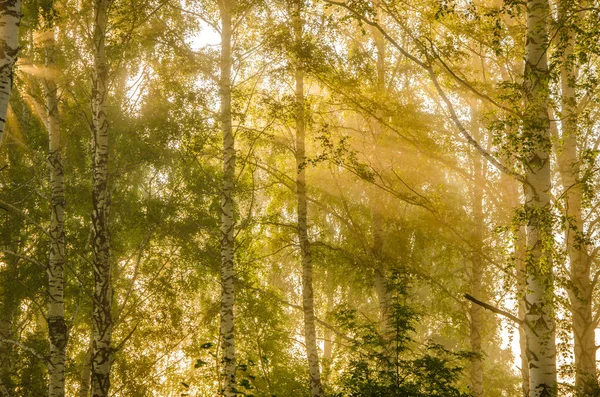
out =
column 389, row 362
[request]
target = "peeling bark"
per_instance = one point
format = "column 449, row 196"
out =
column 10, row 18
column 57, row 327
column 227, row 210
column 103, row 290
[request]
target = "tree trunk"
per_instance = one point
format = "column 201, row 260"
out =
column 310, row 334
column 102, row 299
column 5, row 351
column 521, row 292
column 85, row 375
column 580, row 293
column 381, row 288
column 512, row 201
column 327, row 333
column 227, row 210
column 10, row 17
column 57, row 328
column 539, row 316
column 476, row 311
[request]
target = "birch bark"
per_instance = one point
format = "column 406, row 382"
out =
column 10, row 17
column 310, row 334
column 512, row 201
column 539, row 316
column 580, row 293
column 227, row 210
column 476, row 311
column 102, row 298
column 57, row 328
column 521, row 292
column 85, row 374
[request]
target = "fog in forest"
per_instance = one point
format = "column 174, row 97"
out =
column 299, row 198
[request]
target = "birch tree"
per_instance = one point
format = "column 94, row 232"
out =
column 477, row 263
column 569, row 165
column 308, row 304
column 57, row 328
column 227, row 206
column 10, row 17
column 381, row 288
column 539, row 316
column 102, row 322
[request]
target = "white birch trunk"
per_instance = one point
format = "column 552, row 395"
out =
column 10, row 17
column 328, row 335
column 227, row 210
column 476, row 311
column 310, row 333
column 580, row 293
column 57, row 328
column 521, row 292
column 513, row 202
column 102, row 298
column 85, row 374
column 539, row 317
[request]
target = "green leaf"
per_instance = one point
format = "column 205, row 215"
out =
column 200, row 363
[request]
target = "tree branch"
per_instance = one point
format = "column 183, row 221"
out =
column 26, row 348
column 463, row 131
column 495, row 310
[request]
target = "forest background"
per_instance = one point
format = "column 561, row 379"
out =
column 299, row 198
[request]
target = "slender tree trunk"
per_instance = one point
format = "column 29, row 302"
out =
column 10, row 17
column 5, row 351
column 476, row 311
column 580, row 293
column 310, row 334
column 327, row 333
column 381, row 288
column 512, row 201
column 521, row 292
column 57, row 328
column 102, row 298
column 85, row 375
column 227, row 210
column 540, row 329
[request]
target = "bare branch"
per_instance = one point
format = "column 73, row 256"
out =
column 495, row 310
column 463, row 131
